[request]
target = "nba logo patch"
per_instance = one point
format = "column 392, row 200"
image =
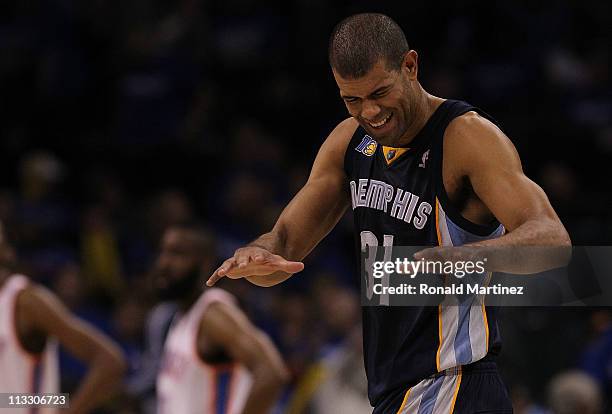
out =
column 367, row 146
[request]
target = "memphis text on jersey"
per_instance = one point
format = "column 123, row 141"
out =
column 398, row 203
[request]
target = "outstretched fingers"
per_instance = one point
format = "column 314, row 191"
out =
column 221, row 271
column 260, row 263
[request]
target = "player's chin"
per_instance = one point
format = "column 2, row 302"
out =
column 386, row 135
column 387, row 139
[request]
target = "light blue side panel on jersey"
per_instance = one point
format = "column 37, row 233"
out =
column 429, row 397
column 464, row 331
column 460, row 236
column 463, row 346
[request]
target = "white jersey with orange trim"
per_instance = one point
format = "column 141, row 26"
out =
column 186, row 384
column 22, row 371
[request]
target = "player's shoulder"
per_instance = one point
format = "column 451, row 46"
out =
column 216, row 295
column 14, row 282
column 222, row 314
column 473, row 133
column 341, row 135
column 25, row 290
column 472, row 141
column 347, row 127
column 33, row 298
column 332, row 151
column 471, row 125
column 212, row 300
column 35, row 305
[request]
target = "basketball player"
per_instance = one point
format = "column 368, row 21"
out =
column 417, row 170
column 215, row 361
column 32, row 321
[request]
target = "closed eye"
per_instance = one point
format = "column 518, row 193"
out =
column 380, row 93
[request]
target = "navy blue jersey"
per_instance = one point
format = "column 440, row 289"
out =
column 404, row 203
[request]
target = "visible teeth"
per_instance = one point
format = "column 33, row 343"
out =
column 381, row 123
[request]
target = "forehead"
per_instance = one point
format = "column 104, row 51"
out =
column 377, row 77
column 177, row 238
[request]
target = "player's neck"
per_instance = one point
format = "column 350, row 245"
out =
column 426, row 106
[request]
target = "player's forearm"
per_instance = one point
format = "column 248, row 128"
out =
column 267, row 386
column 535, row 246
column 273, row 241
column 269, row 377
column 101, row 382
column 536, row 232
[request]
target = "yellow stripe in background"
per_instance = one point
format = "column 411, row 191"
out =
column 306, row 388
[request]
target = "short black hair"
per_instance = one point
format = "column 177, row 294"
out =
column 358, row 42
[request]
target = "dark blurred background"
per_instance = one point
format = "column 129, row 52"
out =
column 120, row 118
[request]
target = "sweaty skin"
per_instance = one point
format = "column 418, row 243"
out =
column 478, row 160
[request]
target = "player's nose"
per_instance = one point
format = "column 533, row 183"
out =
column 370, row 110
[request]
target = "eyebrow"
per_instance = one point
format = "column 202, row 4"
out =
column 375, row 92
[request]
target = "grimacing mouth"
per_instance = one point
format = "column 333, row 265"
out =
column 380, row 123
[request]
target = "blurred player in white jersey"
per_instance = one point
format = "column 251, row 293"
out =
column 32, row 322
column 215, row 361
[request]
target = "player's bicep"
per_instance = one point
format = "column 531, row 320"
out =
column 494, row 170
column 512, row 197
column 50, row 316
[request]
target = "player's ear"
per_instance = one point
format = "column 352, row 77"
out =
column 410, row 64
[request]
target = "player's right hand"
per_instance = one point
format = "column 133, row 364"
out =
column 253, row 261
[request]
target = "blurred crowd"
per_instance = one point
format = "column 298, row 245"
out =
column 122, row 118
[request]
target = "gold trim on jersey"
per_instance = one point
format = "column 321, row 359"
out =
column 391, row 153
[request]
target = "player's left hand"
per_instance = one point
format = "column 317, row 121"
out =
column 252, row 261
